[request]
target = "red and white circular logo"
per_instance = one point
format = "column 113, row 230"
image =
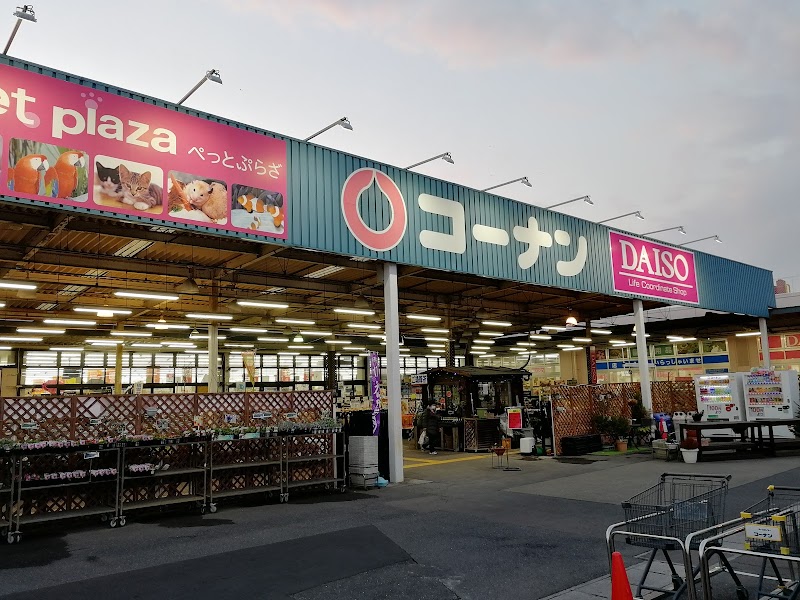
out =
column 388, row 238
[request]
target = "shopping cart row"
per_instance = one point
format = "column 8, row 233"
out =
column 683, row 516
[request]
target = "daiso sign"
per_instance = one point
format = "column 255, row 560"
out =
column 654, row 270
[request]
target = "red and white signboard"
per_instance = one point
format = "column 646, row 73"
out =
column 646, row 268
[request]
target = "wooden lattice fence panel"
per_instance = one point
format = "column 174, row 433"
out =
column 52, row 416
column 312, row 405
column 277, row 403
column 104, row 415
column 214, row 408
column 175, row 413
column 673, row 396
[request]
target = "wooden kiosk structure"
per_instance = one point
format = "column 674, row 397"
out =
column 471, row 401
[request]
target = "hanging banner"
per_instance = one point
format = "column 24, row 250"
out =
column 375, row 390
column 249, row 360
column 72, row 145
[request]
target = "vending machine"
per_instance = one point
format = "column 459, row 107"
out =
column 720, row 398
column 772, row 395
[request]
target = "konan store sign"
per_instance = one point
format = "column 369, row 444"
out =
column 653, row 270
column 70, row 145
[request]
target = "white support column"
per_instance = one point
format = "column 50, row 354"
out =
column 395, row 416
column 213, row 356
column 762, row 326
column 641, row 350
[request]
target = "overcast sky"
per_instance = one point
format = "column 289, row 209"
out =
column 688, row 111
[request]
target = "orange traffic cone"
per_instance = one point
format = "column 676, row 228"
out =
column 620, row 586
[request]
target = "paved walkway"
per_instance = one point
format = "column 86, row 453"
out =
column 456, row 529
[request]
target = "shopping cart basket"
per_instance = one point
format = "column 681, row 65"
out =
column 771, row 526
column 679, row 505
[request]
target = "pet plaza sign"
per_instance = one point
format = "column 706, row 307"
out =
column 640, row 267
column 71, row 145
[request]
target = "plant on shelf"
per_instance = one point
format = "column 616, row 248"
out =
column 689, row 450
column 638, row 412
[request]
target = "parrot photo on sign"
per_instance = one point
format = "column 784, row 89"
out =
column 26, row 175
column 61, row 179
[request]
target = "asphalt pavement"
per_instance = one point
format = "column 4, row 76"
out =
column 455, row 529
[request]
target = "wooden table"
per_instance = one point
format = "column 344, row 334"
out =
column 751, row 435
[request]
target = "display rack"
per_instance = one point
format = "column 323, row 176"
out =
column 481, row 434
column 244, row 466
column 177, row 474
column 311, row 459
column 42, row 491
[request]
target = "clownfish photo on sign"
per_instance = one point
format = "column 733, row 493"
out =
column 257, row 209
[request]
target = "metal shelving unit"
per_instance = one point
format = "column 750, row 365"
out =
column 311, row 460
column 249, row 466
column 179, row 475
column 7, row 470
column 61, row 499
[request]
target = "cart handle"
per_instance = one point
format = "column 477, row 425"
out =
column 782, row 488
column 696, row 476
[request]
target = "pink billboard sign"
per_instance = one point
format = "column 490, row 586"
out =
column 653, row 270
column 70, row 145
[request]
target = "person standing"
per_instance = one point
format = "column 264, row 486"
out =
column 432, row 428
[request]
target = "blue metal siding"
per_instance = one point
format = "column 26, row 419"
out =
column 316, row 176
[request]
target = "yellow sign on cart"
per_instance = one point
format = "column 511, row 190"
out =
column 766, row 533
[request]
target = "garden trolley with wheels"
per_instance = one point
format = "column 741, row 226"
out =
column 672, row 515
column 771, row 527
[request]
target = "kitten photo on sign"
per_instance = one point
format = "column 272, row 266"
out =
column 196, row 198
column 124, row 184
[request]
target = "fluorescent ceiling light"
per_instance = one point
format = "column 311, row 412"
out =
column 540, row 336
column 436, row 339
column 145, row 345
column 316, row 333
column 434, row 330
column 295, row 321
column 617, row 341
column 565, row 345
column 241, row 346
column 259, row 304
column 423, row 318
column 300, row 347
column 436, row 345
column 571, row 349
column 354, row 311
column 490, row 333
column 432, row 356
column 179, row 344
column 477, row 352
column 647, row 335
column 526, row 344
column 76, row 322
column 132, row 333
column 376, row 336
column 748, row 334
column 624, row 344
column 2, row 304
column 200, row 336
column 273, row 340
column 42, row 330
column 339, row 342
column 354, row 349
column 195, row 351
column 488, row 356
column 98, row 343
column 497, row 323
column 18, row 338
column 146, row 295
column 209, row 316
column 602, row 331
column 324, row 272
column 248, row 329
column 13, row 285
column 104, row 341
column 582, row 340
column 166, row 326
column 67, row 349
column 553, row 328
column 288, row 354
column 364, row 326
column 484, row 341
column 103, row 311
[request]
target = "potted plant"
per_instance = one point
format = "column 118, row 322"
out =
column 689, row 450
column 619, row 428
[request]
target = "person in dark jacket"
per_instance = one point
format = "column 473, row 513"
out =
column 432, row 428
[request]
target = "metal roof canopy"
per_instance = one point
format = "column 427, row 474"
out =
column 484, row 373
column 318, row 175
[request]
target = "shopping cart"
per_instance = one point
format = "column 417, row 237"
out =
column 664, row 515
column 771, row 526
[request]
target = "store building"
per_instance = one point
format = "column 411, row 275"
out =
column 288, row 263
